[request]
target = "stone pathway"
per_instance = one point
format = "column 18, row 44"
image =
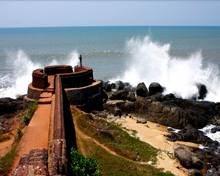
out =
column 37, row 132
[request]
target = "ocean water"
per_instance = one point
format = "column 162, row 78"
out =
column 176, row 57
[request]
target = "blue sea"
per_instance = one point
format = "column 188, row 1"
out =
column 176, row 57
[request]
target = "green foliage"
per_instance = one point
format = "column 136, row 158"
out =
column 18, row 134
column 30, row 112
column 123, row 143
column 83, row 166
column 7, row 161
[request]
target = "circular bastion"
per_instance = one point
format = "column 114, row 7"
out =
column 79, row 85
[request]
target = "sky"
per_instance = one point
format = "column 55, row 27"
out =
column 109, row 13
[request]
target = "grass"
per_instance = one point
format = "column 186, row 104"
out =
column 30, row 112
column 7, row 161
column 117, row 139
column 121, row 143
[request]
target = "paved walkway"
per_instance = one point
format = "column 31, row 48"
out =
column 37, row 132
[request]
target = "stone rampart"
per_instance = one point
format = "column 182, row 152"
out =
column 39, row 79
column 57, row 163
column 58, row 69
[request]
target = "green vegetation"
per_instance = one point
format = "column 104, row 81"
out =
column 30, row 112
column 118, row 166
column 113, row 137
column 83, row 166
column 118, row 140
column 7, row 161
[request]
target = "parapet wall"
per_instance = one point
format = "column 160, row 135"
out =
column 58, row 69
column 57, row 163
column 40, row 79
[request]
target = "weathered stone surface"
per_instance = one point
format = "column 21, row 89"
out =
column 88, row 98
column 41, row 169
column 119, row 85
column 141, row 90
column 141, row 120
column 170, row 111
column 184, row 155
column 119, row 95
column 190, row 134
column 197, row 163
column 202, row 91
column 107, row 87
column 37, row 159
column 155, row 88
column 20, row 170
column 131, row 96
column 194, row 172
column 9, row 105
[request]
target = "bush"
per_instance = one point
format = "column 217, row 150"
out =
column 83, row 166
column 31, row 109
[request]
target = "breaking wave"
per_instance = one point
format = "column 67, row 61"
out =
column 151, row 62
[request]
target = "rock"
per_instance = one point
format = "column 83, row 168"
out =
column 119, row 95
column 197, row 163
column 190, row 134
column 215, row 129
column 100, row 114
column 184, row 155
column 156, row 125
column 119, row 85
column 141, row 90
column 131, row 96
column 202, row 91
column 107, row 87
column 216, row 173
column 113, row 86
column 155, row 88
column 104, row 97
column 140, row 120
column 129, row 87
column 194, row 172
column 9, row 105
column 106, row 134
column 95, row 102
column 20, row 170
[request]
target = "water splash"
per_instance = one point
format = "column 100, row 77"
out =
column 16, row 83
column 151, row 62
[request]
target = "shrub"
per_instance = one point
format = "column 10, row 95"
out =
column 83, row 166
column 30, row 112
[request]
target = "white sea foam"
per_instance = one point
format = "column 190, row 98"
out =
column 151, row 62
column 207, row 131
column 16, row 83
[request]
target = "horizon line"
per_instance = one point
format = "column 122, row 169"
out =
column 115, row 26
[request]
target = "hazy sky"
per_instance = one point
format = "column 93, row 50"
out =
column 109, row 13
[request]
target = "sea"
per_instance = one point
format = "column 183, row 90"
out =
column 177, row 57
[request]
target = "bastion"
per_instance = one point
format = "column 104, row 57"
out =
column 80, row 87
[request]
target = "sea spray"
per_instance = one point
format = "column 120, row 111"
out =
column 16, row 83
column 151, row 62
column 22, row 68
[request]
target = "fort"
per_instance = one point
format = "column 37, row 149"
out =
column 53, row 86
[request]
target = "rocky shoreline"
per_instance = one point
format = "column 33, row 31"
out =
column 186, row 115
column 168, row 110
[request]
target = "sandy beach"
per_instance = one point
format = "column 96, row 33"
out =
column 154, row 135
